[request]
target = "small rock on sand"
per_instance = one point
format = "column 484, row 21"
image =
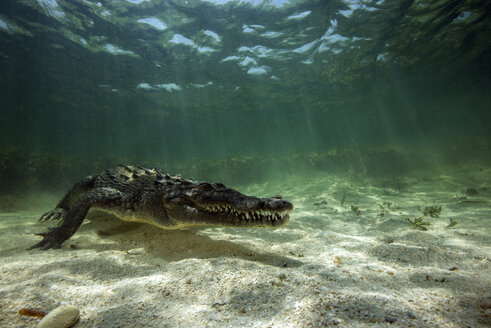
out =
column 337, row 260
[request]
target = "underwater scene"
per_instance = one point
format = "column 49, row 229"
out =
column 245, row 163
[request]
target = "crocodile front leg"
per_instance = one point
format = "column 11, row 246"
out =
column 74, row 216
column 69, row 199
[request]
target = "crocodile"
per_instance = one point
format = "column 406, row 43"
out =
column 139, row 194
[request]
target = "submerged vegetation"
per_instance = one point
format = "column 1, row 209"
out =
column 356, row 210
column 22, row 169
column 452, row 223
column 9, row 203
column 434, row 211
column 386, row 207
column 472, row 191
column 418, row 223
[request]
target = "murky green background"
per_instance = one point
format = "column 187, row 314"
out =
column 241, row 91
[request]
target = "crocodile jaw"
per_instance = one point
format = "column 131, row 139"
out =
column 273, row 215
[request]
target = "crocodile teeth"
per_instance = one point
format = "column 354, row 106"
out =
column 260, row 214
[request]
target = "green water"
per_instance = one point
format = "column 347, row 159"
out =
column 366, row 114
column 242, row 91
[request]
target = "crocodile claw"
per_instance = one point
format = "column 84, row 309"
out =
column 49, row 240
column 44, row 245
column 56, row 214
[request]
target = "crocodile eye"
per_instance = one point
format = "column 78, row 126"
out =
column 205, row 186
column 220, row 185
column 277, row 197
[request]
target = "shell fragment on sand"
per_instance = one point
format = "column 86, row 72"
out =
column 63, row 316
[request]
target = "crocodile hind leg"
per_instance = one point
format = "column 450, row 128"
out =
column 76, row 214
column 69, row 199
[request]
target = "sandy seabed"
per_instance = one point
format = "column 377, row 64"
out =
column 345, row 259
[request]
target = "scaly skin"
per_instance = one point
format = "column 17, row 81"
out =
column 135, row 193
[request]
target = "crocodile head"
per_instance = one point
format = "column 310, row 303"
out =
column 205, row 203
